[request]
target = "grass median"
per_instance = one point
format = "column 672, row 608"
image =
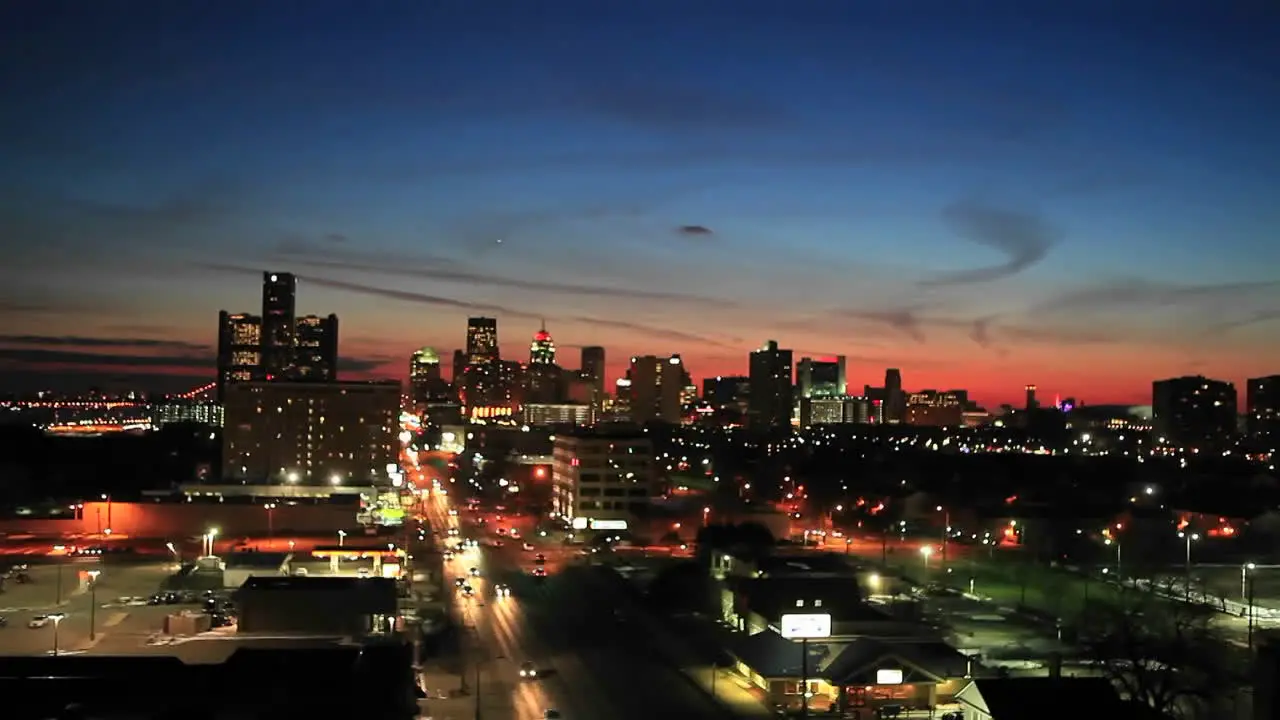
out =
column 1013, row 580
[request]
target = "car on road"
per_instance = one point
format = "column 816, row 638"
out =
column 475, row 572
column 528, row 670
column 459, row 582
column 38, row 621
column 502, row 591
column 540, row 572
column 528, row 547
column 540, row 559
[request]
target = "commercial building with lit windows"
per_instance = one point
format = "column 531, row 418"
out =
column 602, row 476
column 310, row 433
column 239, row 349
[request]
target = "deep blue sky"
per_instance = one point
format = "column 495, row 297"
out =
column 1077, row 194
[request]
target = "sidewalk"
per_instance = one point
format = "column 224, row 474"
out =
column 443, row 701
column 729, row 690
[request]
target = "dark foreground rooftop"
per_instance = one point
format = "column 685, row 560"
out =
column 373, row 681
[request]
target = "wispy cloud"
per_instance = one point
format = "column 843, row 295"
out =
column 1145, row 293
column 100, row 342
column 980, row 332
column 1024, row 239
column 1257, row 318
column 906, row 321
column 662, row 333
column 46, row 356
column 694, row 230
column 450, row 271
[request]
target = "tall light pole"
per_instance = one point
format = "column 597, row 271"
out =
column 1116, row 542
column 342, row 535
column 208, row 541
column 93, row 604
column 56, row 618
column 1246, row 580
column 946, row 530
column 1189, row 537
column 271, row 528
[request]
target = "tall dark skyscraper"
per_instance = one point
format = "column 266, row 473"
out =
column 279, row 323
column 1193, row 411
column 458, row 367
column 895, row 400
column 482, row 340
column 591, row 369
column 239, row 349
column 770, row 404
column 592, row 363
column 315, row 349
column 1263, row 395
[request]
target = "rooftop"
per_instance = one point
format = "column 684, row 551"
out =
column 853, row 661
column 805, row 564
column 304, row 679
column 772, row 597
column 249, row 559
column 325, row 583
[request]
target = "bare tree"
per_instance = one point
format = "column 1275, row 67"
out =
column 1165, row 654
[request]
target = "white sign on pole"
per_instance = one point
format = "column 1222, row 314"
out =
column 889, row 677
column 608, row 524
column 804, row 626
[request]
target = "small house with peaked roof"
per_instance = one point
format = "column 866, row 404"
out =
column 862, row 674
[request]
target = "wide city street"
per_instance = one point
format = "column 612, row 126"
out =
column 585, row 660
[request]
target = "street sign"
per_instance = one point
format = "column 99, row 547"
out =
column 805, row 626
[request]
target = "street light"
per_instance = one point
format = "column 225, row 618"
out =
column 1189, row 537
column 946, row 530
column 1116, row 542
column 342, row 535
column 271, row 529
column 1246, row 595
column 56, row 618
column 93, row 604
column 926, row 551
column 208, row 541
column 291, row 476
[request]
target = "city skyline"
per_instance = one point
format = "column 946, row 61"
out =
column 1035, row 195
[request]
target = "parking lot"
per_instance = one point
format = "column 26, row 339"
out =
column 63, row 589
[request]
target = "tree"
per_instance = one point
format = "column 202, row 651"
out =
column 750, row 539
column 1166, row 655
column 683, row 587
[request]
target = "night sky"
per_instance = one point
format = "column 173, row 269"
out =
column 1080, row 194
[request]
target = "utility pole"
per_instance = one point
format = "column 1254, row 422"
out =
column 1250, row 610
column 804, row 677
